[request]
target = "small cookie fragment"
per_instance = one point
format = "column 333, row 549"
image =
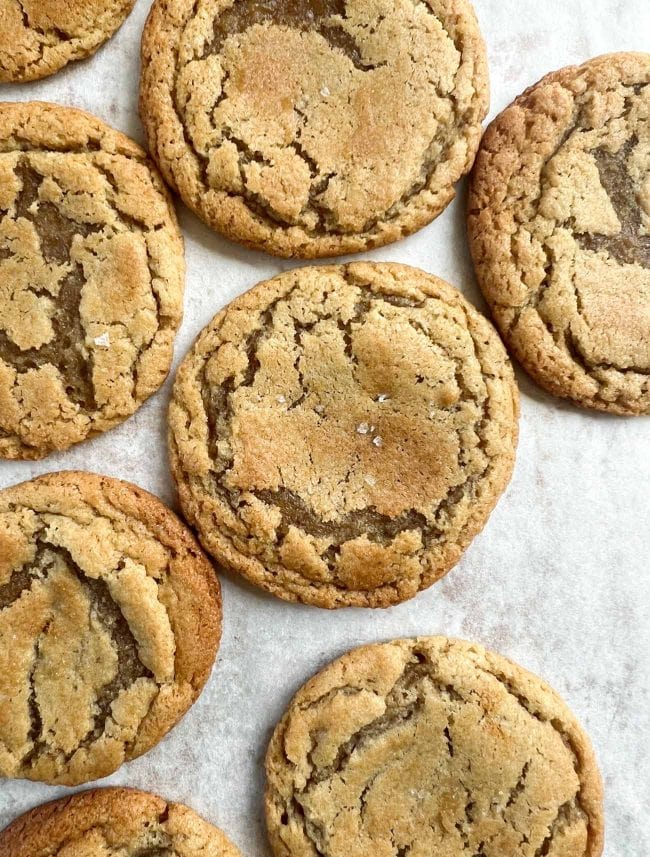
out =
column 110, row 619
column 40, row 37
column 431, row 746
column 312, row 129
column 91, row 278
column 339, row 434
column 113, row 821
column 559, row 228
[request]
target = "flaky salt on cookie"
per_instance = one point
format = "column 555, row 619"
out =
column 313, row 128
column 339, row 434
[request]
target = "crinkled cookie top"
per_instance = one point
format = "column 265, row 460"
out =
column 559, row 225
column 339, row 434
column 113, row 822
column 91, row 278
column 314, row 128
column 39, row 37
column 110, row 618
column 431, row 746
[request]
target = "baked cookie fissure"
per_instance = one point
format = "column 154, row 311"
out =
column 113, row 822
column 314, row 127
column 339, row 434
column 39, row 37
column 91, row 278
column 431, row 746
column 559, row 228
column 110, row 619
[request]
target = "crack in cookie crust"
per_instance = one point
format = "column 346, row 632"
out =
column 112, row 822
column 92, row 257
column 559, row 217
column 109, row 624
column 39, row 37
column 337, row 91
column 431, row 745
column 339, row 435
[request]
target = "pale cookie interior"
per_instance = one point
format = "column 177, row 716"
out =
column 92, row 648
column 429, row 747
column 91, row 283
column 344, row 431
column 574, row 297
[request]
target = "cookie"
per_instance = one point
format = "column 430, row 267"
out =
column 431, row 746
column 313, row 128
column 559, row 228
column 340, row 434
column 111, row 822
column 110, row 618
column 39, row 37
column 91, row 278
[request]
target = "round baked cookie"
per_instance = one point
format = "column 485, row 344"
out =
column 431, row 746
column 113, row 822
column 39, row 37
column 340, row 434
column 91, row 278
column 314, row 127
column 110, row 618
column 559, row 228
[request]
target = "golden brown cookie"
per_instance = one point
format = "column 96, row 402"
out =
column 431, row 746
column 114, row 822
column 314, row 127
column 559, row 227
column 39, row 37
column 340, row 434
column 110, row 618
column 91, row 278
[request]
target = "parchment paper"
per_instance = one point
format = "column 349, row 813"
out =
column 560, row 578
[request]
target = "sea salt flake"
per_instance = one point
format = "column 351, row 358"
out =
column 377, row 441
column 325, row 92
column 103, row 341
column 281, row 399
column 319, row 409
column 370, row 480
column 383, row 397
column 363, row 428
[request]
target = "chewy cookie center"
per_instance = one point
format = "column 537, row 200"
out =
column 79, row 668
column 78, row 307
column 593, row 229
column 338, row 389
column 303, row 109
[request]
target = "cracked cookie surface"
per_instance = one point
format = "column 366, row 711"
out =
column 314, row 128
column 39, row 37
column 110, row 618
column 559, row 228
column 91, row 278
column 113, row 822
column 339, row 434
column 431, row 746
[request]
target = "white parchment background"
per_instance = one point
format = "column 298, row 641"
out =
column 560, row 578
